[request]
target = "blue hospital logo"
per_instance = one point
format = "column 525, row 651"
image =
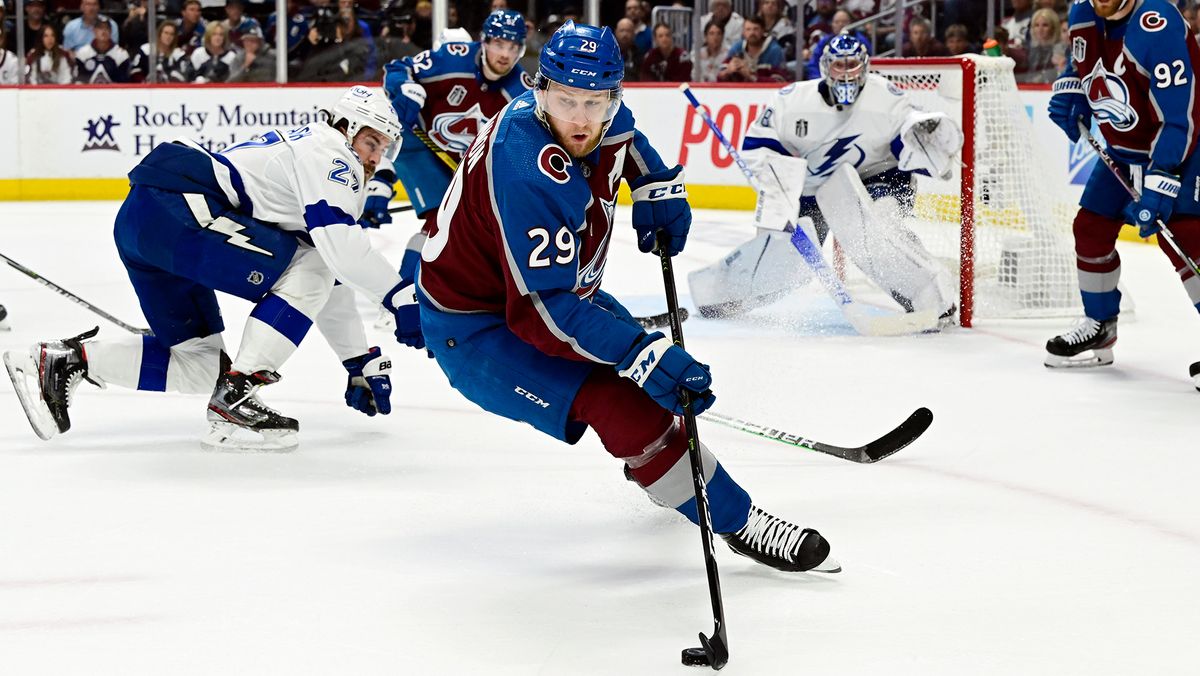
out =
column 100, row 134
column 841, row 151
column 1109, row 98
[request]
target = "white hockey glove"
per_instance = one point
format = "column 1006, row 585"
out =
column 780, row 185
column 930, row 141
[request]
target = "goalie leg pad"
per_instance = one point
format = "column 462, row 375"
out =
column 874, row 237
column 756, row 273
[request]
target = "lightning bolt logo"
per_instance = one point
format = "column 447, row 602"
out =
column 835, row 153
column 230, row 228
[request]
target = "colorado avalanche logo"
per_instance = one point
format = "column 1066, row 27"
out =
column 458, row 48
column 553, row 162
column 455, row 131
column 526, row 80
column 1109, row 97
column 1152, row 22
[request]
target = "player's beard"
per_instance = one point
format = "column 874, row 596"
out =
column 368, row 169
column 577, row 139
column 1109, row 9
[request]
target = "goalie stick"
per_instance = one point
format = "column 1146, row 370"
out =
column 895, row 324
column 70, row 296
column 873, row 451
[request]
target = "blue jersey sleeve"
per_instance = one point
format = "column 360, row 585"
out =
column 1158, row 42
column 452, row 58
column 540, row 214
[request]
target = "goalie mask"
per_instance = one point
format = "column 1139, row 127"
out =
column 844, row 68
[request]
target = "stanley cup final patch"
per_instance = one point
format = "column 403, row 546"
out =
column 801, row 128
column 1078, row 49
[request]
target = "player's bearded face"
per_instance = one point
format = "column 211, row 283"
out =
column 369, row 146
column 577, row 116
column 1109, row 9
column 501, row 55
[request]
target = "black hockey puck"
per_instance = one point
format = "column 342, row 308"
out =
column 695, row 657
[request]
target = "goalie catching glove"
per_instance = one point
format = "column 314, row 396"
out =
column 663, row 370
column 369, row 388
column 930, row 142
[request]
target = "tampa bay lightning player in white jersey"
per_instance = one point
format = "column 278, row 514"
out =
column 850, row 128
column 272, row 220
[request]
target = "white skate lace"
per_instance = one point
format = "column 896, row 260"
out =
column 771, row 535
column 251, row 399
column 1085, row 331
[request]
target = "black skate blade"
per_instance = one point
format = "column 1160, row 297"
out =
column 712, row 653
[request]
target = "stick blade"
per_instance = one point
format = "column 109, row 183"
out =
column 711, row 653
column 906, row 433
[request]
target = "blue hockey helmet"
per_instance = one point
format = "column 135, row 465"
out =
column 580, row 57
column 503, row 42
column 844, row 66
column 507, row 24
column 583, row 56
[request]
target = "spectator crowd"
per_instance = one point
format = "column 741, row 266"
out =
column 199, row 41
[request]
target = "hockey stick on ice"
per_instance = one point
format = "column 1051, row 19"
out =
column 864, row 323
column 1164, row 231
column 63, row 292
column 714, row 651
column 902, row 435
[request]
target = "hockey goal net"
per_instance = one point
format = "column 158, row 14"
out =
column 998, row 223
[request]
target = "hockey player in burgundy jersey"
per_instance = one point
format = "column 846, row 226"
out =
column 1133, row 70
column 449, row 92
column 511, row 305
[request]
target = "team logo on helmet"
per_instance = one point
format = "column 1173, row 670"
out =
column 553, row 161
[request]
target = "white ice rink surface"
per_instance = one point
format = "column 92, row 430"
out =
column 1047, row 523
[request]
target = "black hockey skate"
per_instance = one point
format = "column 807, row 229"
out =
column 240, row 421
column 1088, row 344
column 4, row 319
column 784, row 546
column 55, row 368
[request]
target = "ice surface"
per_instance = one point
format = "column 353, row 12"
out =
column 1048, row 522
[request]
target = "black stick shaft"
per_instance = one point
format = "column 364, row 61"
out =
column 63, row 292
column 717, row 646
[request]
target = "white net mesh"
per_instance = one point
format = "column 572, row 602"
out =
column 1024, row 261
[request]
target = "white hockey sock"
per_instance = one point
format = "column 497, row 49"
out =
column 281, row 319
column 142, row 363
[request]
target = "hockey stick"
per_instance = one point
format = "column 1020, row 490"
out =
column 1163, row 230
column 652, row 322
column 864, row 323
column 399, row 209
column 714, row 651
column 63, row 292
column 873, row 451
